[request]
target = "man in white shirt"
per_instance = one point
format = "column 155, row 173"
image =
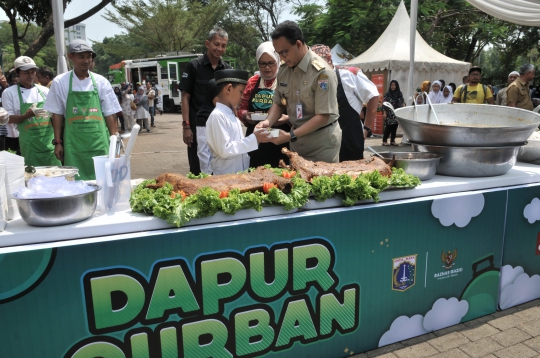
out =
column 354, row 89
column 80, row 101
column 24, row 103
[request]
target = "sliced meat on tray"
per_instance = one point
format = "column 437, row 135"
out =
column 308, row 169
column 253, row 181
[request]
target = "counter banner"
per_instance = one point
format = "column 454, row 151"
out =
column 520, row 280
column 329, row 284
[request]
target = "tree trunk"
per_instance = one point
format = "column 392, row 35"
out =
column 472, row 45
column 15, row 36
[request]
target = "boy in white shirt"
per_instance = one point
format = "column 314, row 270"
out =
column 225, row 137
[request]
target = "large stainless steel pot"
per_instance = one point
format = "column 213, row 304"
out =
column 472, row 161
column 467, row 125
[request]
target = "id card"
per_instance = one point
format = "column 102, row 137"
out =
column 299, row 113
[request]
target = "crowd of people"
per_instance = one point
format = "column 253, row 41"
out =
column 65, row 119
column 321, row 111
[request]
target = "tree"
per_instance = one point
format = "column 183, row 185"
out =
column 39, row 12
column 167, row 25
column 46, row 57
column 453, row 27
column 116, row 49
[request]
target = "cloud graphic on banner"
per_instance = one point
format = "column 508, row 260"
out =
column 458, row 210
column 532, row 211
column 403, row 328
column 523, row 289
column 509, row 275
column 445, row 313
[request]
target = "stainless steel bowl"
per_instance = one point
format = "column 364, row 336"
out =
column 423, row 165
column 58, row 211
column 472, row 161
column 530, row 152
column 468, row 125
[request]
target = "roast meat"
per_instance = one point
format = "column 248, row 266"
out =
column 245, row 182
column 308, row 169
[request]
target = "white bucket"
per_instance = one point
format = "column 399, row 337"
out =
column 114, row 178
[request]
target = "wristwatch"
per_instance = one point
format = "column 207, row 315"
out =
column 185, row 124
column 56, row 141
column 293, row 136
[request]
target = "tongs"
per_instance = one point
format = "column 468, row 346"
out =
column 430, row 106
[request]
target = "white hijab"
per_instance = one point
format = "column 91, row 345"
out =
column 449, row 98
column 436, row 97
column 267, row 47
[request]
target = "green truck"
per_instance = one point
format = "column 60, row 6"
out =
column 163, row 70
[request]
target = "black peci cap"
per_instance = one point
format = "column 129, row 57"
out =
column 475, row 68
column 238, row 76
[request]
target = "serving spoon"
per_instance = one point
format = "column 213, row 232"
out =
column 376, row 153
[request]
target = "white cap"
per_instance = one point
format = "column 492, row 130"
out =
column 24, row 63
column 513, row 73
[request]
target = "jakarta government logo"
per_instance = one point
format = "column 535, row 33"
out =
column 404, row 273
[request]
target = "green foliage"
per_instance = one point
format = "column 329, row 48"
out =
column 116, row 49
column 206, row 202
column 452, row 27
column 46, row 57
column 166, row 25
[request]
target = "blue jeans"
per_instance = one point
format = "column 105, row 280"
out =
column 152, row 111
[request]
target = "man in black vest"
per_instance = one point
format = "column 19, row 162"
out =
column 354, row 89
column 193, row 86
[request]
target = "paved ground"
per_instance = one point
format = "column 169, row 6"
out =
column 513, row 333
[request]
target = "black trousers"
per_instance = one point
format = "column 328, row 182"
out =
column 193, row 158
column 390, row 131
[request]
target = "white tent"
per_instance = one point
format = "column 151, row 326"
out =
column 390, row 54
column 521, row 12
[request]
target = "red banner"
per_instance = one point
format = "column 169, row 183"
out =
column 378, row 124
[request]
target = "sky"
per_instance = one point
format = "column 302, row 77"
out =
column 97, row 27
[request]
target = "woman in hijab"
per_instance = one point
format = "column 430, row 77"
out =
column 424, row 88
column 257, row 97
column 395, row 97
column 436, row 95
column 447, row 94
column 142, row 114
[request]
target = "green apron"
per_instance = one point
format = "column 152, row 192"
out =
column 85, row 134
column 36, row 136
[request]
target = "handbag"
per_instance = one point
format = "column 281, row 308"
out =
column 133, row 106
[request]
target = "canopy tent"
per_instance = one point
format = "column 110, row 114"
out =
column 391, row 52
column 521, row 12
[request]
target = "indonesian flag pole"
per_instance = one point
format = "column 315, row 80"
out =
column 58, row 17
column 414, row 15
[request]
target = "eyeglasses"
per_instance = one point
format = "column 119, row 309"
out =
column 285, row 52
column 267, row 64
